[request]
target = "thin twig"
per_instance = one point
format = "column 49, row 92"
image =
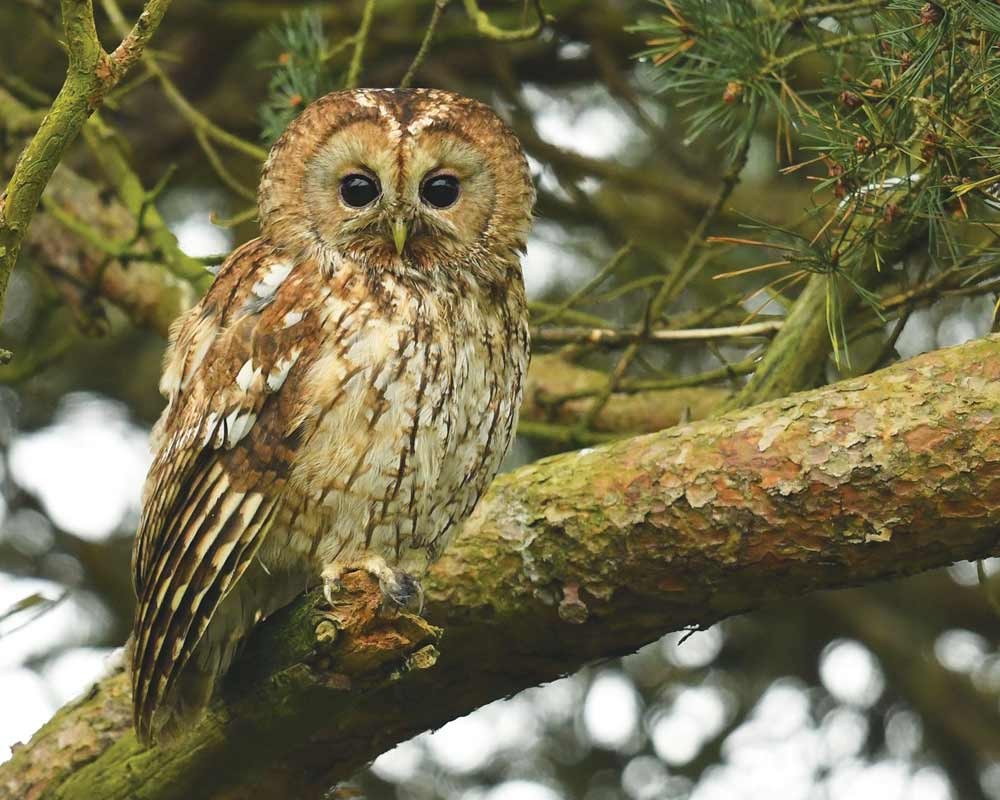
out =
column 193, row 116
column 100, row 139
column 425, row 45
column 725, row 372
column 354, row 71
column 246, row 215
column 602, row 274
column 486, row 27
column 563, row 434
column 682, row 265
column 220, row 168
column 611, row 337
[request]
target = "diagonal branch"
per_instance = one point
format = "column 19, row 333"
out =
column 577, row 557
column 133, row 45
column 90, row 75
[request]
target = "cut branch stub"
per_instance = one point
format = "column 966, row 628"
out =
column 361, row 642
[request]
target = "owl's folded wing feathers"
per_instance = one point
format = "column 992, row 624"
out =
column 224, row 448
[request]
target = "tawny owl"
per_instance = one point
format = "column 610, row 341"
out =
column 347, row 388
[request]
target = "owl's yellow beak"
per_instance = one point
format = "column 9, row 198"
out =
column 400, row 231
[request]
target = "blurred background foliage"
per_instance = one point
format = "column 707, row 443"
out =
column 737, row 199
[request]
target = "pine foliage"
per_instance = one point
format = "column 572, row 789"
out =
column 900, row 137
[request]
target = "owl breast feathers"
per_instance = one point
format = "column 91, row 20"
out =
column 347, row 388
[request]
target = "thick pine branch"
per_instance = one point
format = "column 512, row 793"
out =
column 581, row 556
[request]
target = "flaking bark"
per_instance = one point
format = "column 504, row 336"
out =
column 578, row 557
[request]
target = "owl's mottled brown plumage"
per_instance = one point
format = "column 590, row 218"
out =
column 339, row 397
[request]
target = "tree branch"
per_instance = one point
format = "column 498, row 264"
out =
column 610, row 337
column 487, row 28
column 582, row 556
column 90, row 75
column 558, row 392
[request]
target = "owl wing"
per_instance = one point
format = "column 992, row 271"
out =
column 224, row 448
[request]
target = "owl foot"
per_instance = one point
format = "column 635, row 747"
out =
column 405, row 592
column 399, row 588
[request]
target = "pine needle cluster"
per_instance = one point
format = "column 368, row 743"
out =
column 300, row 74
column 900, row 136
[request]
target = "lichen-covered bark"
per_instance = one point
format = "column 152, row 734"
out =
column 576, row 557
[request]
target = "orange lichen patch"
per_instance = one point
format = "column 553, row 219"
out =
column 669, row 479
column 821, row 498
column 103, row 69
column 600, row 484
column 845, row 414
column 844, row 430
column 740, row 448
column 727, row 493
column 925, row 438
column 855, row 499
column 777, row 472
column 989, row 368
column 638, row 485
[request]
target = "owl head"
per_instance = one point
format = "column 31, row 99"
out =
column 399, row 180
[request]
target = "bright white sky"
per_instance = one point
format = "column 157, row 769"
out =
column 88, row 468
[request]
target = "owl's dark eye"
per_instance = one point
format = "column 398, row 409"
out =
column 440, row 191
column 359, row 190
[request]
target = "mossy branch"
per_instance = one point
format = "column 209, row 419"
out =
column 578, row 557
column 191, row 115
column 486, row 27
column 90, row 75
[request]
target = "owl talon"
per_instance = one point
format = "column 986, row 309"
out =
column 330, row 588
column 332, row 584
column 401, row 590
